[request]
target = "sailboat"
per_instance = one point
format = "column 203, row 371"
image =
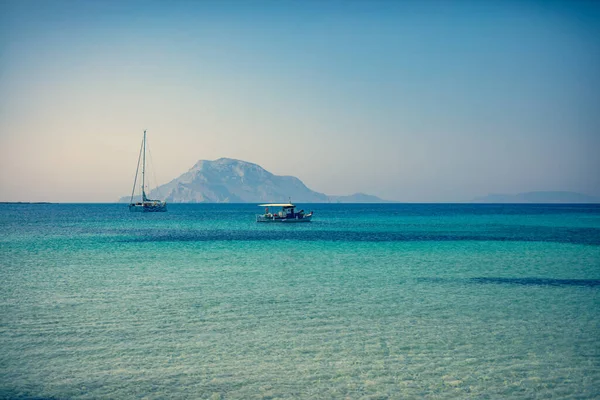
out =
column 146, row 205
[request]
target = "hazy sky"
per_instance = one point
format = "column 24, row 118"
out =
column 412, row 101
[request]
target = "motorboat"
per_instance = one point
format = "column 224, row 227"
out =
column 286, row 212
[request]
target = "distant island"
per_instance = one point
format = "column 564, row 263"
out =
column 228, row 180
column 538, row 197
column 357, row 198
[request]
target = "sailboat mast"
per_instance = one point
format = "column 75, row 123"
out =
column 144, row 171
column 137, row 170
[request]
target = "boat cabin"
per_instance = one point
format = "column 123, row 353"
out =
column 282, row 212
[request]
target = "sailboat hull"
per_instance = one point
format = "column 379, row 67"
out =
column 148, row 207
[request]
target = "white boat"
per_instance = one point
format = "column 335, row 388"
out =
column 146, row 204
column 286, row 213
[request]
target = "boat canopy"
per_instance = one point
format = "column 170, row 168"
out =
column 277, row 205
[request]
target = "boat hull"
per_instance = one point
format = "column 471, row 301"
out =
column 148, row 207
column 262, row 218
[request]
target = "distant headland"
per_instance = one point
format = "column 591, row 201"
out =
column 538, row 197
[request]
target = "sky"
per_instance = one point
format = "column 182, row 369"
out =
column 429, row 101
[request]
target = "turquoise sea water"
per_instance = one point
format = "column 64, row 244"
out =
column 367, row 301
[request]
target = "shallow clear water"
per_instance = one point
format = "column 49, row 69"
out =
column 366, row 301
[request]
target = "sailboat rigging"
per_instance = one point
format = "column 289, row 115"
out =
column 146, row 205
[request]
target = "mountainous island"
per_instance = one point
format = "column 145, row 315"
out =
column 538, row 197
column 228, row 180
column 234, row 181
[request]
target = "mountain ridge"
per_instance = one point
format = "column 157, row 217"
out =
column 227, row 180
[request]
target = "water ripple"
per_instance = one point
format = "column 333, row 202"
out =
column 585, row 236
column 518, row 281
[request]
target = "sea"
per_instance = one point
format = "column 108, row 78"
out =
column 367, row 301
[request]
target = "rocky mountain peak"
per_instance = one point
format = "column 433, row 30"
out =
column 228, row 180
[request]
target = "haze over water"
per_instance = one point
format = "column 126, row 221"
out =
column 367, row 301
